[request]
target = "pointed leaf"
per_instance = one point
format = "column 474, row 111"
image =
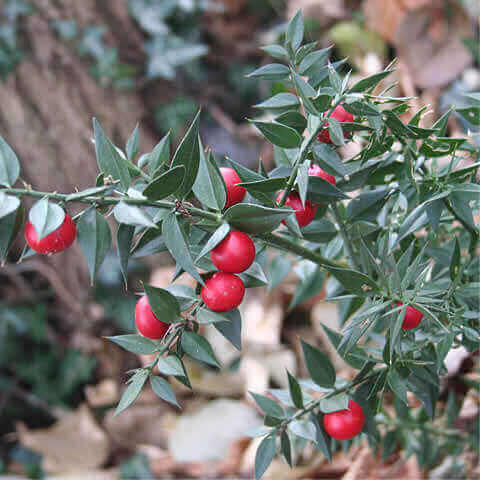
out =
column 9, row 165
column 166, row 184
column 255, row 218
column 132, row 215
column 198, row 348
column 232, row 328
column 164, row 305
column 135, row 343
column 46, row 217
column 133, row 390
column 8, row 205
column 163, row 389
column 125, row 235
column 264, row 456
column 318, row 365
column 279, row 134
column 132, row 144
column 160, row 155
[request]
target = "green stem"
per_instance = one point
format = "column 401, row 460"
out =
column 105, row 201
column 285, row 244
column 166, row 346
column 345, row 237
column 302, row 154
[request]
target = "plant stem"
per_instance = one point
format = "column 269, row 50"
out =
column 285, row 244
column 176, row 331
column 302, row 154
column 105, row 201
column 345, row 237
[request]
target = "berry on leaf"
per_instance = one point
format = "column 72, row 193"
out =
column 235, row 253
column 223, row 292
column 146, row 321
column 345, row 424
column 305, row 214
column 316, row 171
column 57, row 241
column 412, row 317
column 235, row 193
column 339, row 114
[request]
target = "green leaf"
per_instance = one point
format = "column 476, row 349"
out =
column 335, row 79
column 470, row 114
column 275, row 51
column 198, row 348
column 206, row 316
column 462, row 209
column 295, row 391
column 170, row 365
column 364, row 202
column 268, row 406
column 209, row 187
column 313, row 61
column 267, row 185
column 286, row 448
column 336, row 131
column 9, row 164
column 133, row 390
column 306, row 92
column 220, row 233
column 166, row 184
column 302, row 181
column 303, row 429
column 178, row 247
column 397, row 385
column 94, row 238
column 132, row 144
column 322, row 440
column 455, row 261
column 319, row 231
column 329, row 159
column 397, row 127
column 362, row 109
column 46, row 217
column 132, row 215
column 369, row 82
column 415, row 220
column 232, row 328
column 321, row 191
column 10, row 225
column 292, row 119
column 278, row 271
column 163, row 389
column 255, row 218
column 264, row 456
column 164, row 305
column 149, row 243
column 318, row 365
column 160, row 155
column 312, row 279
column 280, row 100
column 109, row 160
column 9, row 204
column 135, row 343
column 294, row 34
column 188, row 155
column 125, row 235
column 185, row 295
column 272, row 71
column 334, row 404
column 354, row 281
column 279, row 134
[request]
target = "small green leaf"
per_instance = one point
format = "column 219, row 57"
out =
column 321, row 191
column 272, row 71
column 303, row 429
column 268, row 406
column 313, row 61
column 362, row 109
column 329, row 159
column 319, row 231
column 264, row 456
column 302, row 181
column 232, row 328
column 188, row 155
column 292, row 119
column 318, row 365
column 8, row 205
column 279, row 101
column 275, row 51
column 170, row 365
column 336, row 131
column 462, row 210
column 354, row 281
column 125, row 235
column 206, row 316
column 279, row 134
column 397, row 385
column 369, row 82
column 132, row 144
column 132, row 215
column 9, row 164
column 286, row 448
column 185, row 295
column 220, row 233
column 255, row 218
column 198, row 348
column 335, row 79
column 94, row 238
column 163, row 389
column 109, row 160
column 166, row 184
column 164, row 305
column 178, row 247
column 322, row 440
column 160, row 155
column 10, row 225
column 334, row 404
column 278, row 271
column 133, row 390
column 295, row 391
column 135, row 343
column 46, row 217
column 294, row 34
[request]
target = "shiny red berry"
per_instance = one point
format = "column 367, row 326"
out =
column 305, row 214
column 235, row 193
column 345, row 424
column 223, row 292
column 57, row 241
column 412, row 317
column 234, row 254
column 316, row 171
column 339, row 114
column 147, row 322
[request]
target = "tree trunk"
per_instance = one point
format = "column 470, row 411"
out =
column 47, row 107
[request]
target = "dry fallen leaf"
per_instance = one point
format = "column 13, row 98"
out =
column 76, row 443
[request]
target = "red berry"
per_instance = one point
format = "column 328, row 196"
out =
column 223, row 292
column 234, row 254
column 412, row 317
column 147, row 322
column 305, row 214
column 345, row 424
column 57, row 241
column 316, row 171
column 235, row 193
column 339, row 114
